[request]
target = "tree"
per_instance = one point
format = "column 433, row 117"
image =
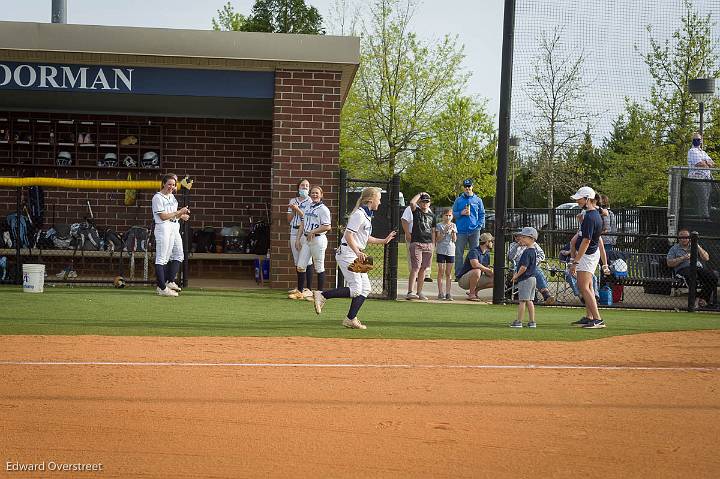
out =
column 284, row 16
column 556, row 91
column 401, row 86
column 462, row 145
column 343, row 18
column 228, row 19
column 272, row 16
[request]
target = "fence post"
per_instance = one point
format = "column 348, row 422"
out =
column 692, row 280
column 16, row 238
column 392, row 248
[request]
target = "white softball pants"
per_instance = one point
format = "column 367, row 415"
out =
column 359, row 283
column 295, row 251
column 312, row 252
column 168, row 242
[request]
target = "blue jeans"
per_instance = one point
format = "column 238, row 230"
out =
column 472, row 240
column 541, row 280
column 572, row 281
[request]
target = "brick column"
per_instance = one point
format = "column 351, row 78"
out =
column 306, row 140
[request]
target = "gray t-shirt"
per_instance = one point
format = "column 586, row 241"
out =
column 445, row 245
column 677, row 251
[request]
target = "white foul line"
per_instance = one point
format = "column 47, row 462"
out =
column 348, row 365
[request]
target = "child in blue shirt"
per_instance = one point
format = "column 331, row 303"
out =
column 525, row 277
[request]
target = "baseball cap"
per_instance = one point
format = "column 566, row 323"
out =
column 424, row 197
column 485, row 237
column 584, row 192
column 468, row 182
column 528, row 231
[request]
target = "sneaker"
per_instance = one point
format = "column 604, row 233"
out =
column 472, row 297
column 550, row 300
column 307, row 295
column 174, row 286
column 410, row 296
column 516, row 324
column 319, row 301
column 581, row 322
column 297, row 295
column 532, row 324
column 293, row 291
column 595, row 324
column 422, row 297
column 448, row 297
column 72, row 274
column 166, row 292
column 353, row 324
column 428, row 280
column 441, row 297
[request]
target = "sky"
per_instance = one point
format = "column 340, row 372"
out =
column 478, row 24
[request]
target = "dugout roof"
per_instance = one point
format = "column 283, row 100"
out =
column 171, row 50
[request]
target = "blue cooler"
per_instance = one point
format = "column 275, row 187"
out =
column 606, row 298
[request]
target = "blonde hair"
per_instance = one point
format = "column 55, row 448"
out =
column 366, row 195
column 322, row 193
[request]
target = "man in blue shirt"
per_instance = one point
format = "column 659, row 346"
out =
column 469, row 214
column 476, row 273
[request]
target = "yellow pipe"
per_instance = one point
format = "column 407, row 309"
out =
column 82, row 184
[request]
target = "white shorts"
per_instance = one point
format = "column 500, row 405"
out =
column 359, row 283
column 168, row 242
column 295, row 251
column 589, row 262
column 313, row 252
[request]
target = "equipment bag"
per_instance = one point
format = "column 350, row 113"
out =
column 60, row 235
column 86, row 236
column 36, row 205
column 204, row 240
column 259, row 238
column 112, row 241
column 18, row 230
column 136, row 239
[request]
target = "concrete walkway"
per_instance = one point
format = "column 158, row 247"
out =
column 431, row 291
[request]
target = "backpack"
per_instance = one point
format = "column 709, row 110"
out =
column 4, row 274
column 136, row 239
column 112, row 241
column 36, row 205
column 204, row 240
column 21, row 234
column 259, row 238
column 86, row 236
column 60, row 236
column 6, row 239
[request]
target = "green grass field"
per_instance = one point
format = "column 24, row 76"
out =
column 138, row 312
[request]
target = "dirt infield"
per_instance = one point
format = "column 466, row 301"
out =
column 402, row 409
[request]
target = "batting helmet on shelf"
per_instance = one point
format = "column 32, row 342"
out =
column 150, row 160
column 110, row 161
column 64, row 158
column 119, row 282
column 129, row 161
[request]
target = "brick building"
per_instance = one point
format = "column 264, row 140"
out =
column 244, row 114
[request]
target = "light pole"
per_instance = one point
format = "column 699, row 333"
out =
column 513, row 146
column 702, row 89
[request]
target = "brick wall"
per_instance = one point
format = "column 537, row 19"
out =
column 305, row 144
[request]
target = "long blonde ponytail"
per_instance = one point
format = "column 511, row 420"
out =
column 366, row 195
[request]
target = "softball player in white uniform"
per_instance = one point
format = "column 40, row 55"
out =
column 295, row 215
column 312, row 243
column 168, row 243
column 356, row 237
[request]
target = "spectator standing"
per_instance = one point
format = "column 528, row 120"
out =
column 422, row 241
column 407, row 224
column 469, row 213
column 446, row 234
column 700, row 164
column 609, row 224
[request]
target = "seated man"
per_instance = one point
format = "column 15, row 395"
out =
column 476, row 273
column 565, row 257
column 678, row 258
column 515, row 250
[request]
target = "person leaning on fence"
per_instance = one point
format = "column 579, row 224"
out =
column 446, row 234
column 609, row 224
column 422, row 242
column 515, row 250
column 356, row 237
column 678, row 258
column 476, row 273
column 524, row 277
column 590, row 250
column 469, row 213
column 699, row 163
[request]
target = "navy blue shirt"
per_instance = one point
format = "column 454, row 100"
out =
column 591, row 228
column 527, row 259
column 474, row 253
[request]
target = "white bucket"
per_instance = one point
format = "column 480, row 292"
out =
column 33, row 278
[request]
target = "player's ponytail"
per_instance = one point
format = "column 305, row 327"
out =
column 367, row 195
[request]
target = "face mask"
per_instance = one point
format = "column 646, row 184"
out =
column 303, row 193
column 697, row 141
